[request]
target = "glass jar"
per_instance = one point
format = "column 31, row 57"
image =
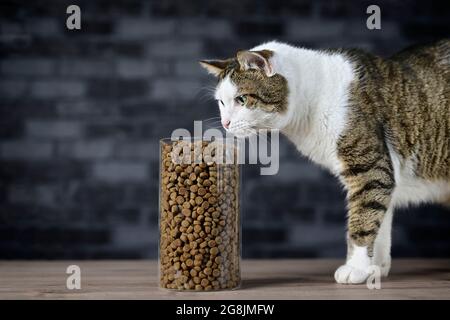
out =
column 200, row 233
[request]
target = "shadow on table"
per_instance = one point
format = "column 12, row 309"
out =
column 440, row 272
column 275, row 282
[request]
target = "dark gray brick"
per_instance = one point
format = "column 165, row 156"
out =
column 92, row 26
column 263, row 234
column 327, row 193
column 133, row 236
column 337, row 214
column 307, row 235
column 42, row 195
column 266, row 28
column 86, row 108
column 57, row 129
column 176, row 89
column 26, row 150
column 146, row 108
column 175, row 48
column 86, row 150
column 51, row 171
column 316, row 30
column 10, row 27
column 100, row 195
column 86, row 68
column 27, row 67
column 11, row 89
column 114, row 88
column 144, row 28
column 216, row 28
column 47, row 89
column 44, row 27
column 189, row 68
column 137, row 150
column 112, row 129
column 308, row 214
column 121, row 171
column 296, row 170
column 11, row 129
column 132, row 68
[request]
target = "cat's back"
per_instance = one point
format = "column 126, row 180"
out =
column 420, row 122
column 408, row 76
column 405, row 99
column 418, row 116
column 408, row 95
column 426, row 69
column 434, row 57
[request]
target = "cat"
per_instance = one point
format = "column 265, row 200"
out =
column 382, row 126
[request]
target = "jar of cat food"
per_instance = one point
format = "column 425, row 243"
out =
column 199, row 221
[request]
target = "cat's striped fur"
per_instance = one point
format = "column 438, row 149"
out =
column 399, row 105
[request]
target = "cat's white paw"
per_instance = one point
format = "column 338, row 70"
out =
column 347, row 274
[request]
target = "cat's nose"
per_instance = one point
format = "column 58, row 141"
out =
column 226, row 123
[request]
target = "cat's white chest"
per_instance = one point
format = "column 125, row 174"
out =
column 322, row 150
column 319, row 142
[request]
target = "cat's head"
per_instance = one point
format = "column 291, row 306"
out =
column 250, row 94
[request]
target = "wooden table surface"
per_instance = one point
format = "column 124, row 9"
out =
column 262, row 279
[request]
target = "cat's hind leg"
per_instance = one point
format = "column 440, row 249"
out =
column 382, row 246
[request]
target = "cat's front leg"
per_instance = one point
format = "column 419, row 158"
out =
column 369, row 179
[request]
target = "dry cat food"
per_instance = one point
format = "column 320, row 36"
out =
column 199, row 219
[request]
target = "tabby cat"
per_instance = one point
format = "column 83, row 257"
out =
column 382, row 126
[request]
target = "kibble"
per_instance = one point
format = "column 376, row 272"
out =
column 199, row 222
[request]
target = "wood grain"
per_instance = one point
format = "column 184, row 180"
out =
column 262, row 279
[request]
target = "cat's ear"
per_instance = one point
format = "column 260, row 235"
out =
column 214, row 67
column 256, row 60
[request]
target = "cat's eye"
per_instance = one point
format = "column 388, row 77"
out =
column 241, row 100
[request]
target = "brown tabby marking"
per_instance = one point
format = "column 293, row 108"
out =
column 404, row 102
column 266, row 93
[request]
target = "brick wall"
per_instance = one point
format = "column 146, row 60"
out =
column 81, row 113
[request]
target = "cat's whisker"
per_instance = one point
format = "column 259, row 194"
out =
column 215, row 122
column 212, row 122
column 209, row 125
column 201, row 92
column 204, row 97
column 212, row 125
column 212, row 118
column 205, row 93
column 215, row 127
column 208, row 88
